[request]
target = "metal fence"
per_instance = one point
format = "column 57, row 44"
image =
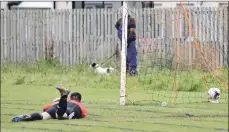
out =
column 74, row 35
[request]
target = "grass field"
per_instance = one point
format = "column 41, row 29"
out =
column 27, row 90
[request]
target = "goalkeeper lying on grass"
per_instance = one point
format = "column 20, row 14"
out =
column 71, row 109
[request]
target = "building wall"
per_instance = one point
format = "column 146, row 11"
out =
column 36, row 5
column 97, row 4
column 30, row 5
column 64, row 5
column 3, row 5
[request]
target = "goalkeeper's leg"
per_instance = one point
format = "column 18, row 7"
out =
column 132, row 57
column 50, row 113
column 62, row 106
column 32, row 117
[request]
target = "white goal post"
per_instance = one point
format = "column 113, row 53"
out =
column 123, row 55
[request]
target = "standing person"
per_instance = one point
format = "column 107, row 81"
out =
column 131, row 43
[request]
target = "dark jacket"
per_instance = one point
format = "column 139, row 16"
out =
column 131, row 27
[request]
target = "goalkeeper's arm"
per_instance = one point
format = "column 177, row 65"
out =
column 118, row 23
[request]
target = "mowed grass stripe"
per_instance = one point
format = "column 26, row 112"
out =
column 222, row 118
column 137, row 109
column 153, row 125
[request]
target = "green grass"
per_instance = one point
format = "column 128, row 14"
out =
column 27, row 90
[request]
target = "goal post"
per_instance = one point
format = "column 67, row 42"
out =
column 123, row 55
column 172, row 66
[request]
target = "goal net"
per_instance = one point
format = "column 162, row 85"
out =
column 182, row 52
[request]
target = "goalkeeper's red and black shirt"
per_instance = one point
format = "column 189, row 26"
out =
column 48, row 106
column 131, row 26
column 81, row 106
column 71, row 104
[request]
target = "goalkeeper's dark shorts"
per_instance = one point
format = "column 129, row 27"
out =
column 52, row 111
column 71, row 108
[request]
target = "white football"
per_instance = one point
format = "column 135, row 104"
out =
column 163, row 104
column 214, row 95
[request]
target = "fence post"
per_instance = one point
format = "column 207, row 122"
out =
column 227, row 34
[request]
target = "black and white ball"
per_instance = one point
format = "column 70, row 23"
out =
column 214, row 95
